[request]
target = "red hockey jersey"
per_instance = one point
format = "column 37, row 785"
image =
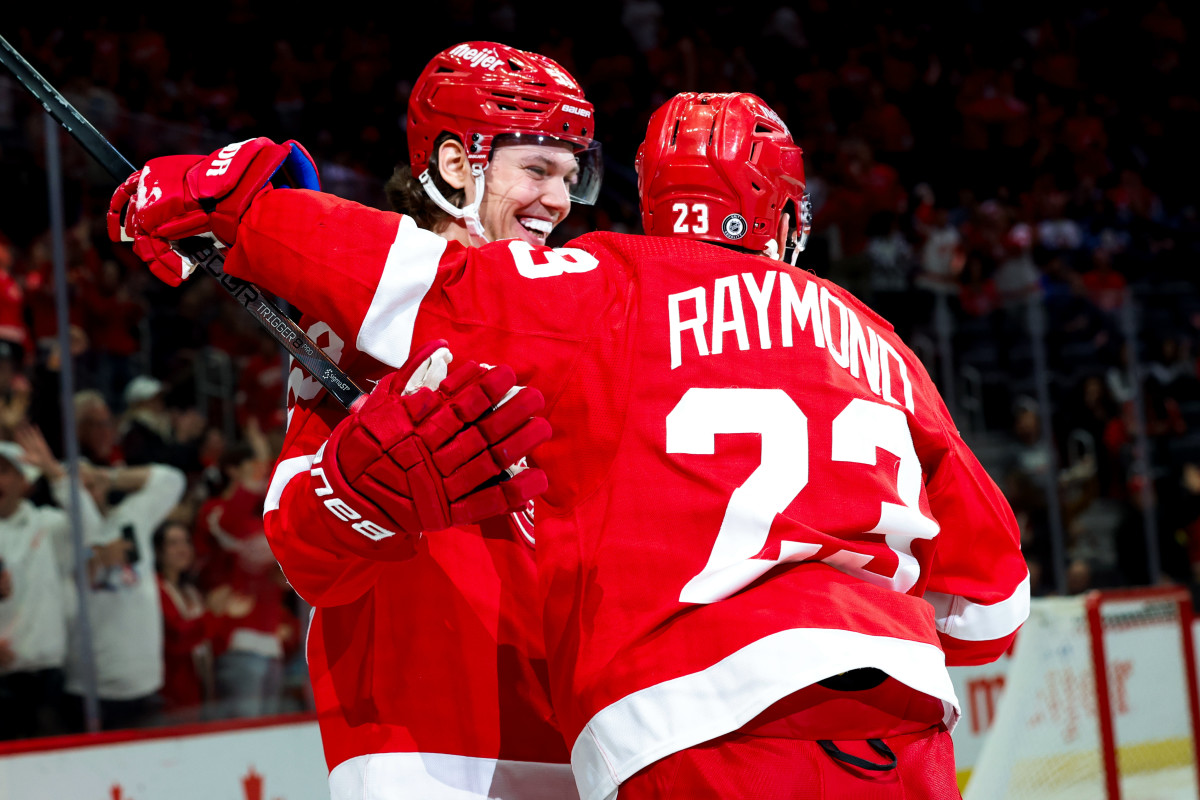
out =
column 754, row 484
column 429, row 675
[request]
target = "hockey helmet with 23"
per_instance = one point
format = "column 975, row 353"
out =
column 722, row 168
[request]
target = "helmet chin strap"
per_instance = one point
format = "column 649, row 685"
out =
column 469, row 213
column 771, row 251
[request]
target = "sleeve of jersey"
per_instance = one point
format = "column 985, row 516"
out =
column 295, row 244
column 979, row 583
column 303, row 534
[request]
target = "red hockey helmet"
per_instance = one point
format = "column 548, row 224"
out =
column 479, row 91
column 721, row 168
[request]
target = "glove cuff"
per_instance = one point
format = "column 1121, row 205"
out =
column 357, row 523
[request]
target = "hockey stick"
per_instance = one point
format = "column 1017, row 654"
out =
column 207, row 257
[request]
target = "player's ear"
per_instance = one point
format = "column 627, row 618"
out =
column 781, row 233
column 452, row 163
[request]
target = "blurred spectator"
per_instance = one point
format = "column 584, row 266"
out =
column 1028, row 465
column 152, row 434
column 941, row 256
column 978, row 296
column 884, row 123
column 13, row 331
column 862, row 187
column 1085, row 136
column 260, row 393
column 15, row 389
column 1187, row 514
column 97, row 429
column 892, row 262
column 233, row 545
column 82, row 264
column 123, row 607
column 1017, row 277
column 1117, row 377
column 1172, row 366
column 1091, row 412
column 642, row 18
column 113, row 318
column 992, row 115
column 1132, row 551
column 1105, row 285
column 189, row 624
column 38, row 560
column 1092, row 543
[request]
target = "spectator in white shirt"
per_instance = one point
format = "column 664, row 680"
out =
column 123, row 602
column 36, row 548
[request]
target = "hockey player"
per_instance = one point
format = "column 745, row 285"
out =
column 425, row 654
column 763, row 539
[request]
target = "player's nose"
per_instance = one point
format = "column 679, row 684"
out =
column 557, row 199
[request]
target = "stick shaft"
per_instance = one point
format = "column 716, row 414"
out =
column 247, row 295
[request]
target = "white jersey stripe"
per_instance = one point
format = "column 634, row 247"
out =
column 972, row 622
column 387, row 329
column 441, row 776
column 650, row 724
column 284, row 472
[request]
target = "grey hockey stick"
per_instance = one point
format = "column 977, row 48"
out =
column 247, row 295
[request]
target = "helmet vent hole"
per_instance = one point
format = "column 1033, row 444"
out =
column 515, row 66
column 444, row 69
column 754, row 148
column 755, row 186
column 675, row 133
column 764, row 129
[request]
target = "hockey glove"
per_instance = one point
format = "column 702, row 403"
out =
column 426, row 452
column 175, row 197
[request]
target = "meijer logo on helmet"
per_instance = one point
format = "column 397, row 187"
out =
column 485, row 59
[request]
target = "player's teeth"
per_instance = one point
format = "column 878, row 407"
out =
column 537, row 225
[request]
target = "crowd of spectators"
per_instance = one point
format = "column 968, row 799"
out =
column 188, row 615
column 1003, row 182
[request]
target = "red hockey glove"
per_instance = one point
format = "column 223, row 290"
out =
column 175, row 197
column 426, row 452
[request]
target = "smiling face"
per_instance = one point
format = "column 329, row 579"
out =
column 526, row 193
column 526, row 190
